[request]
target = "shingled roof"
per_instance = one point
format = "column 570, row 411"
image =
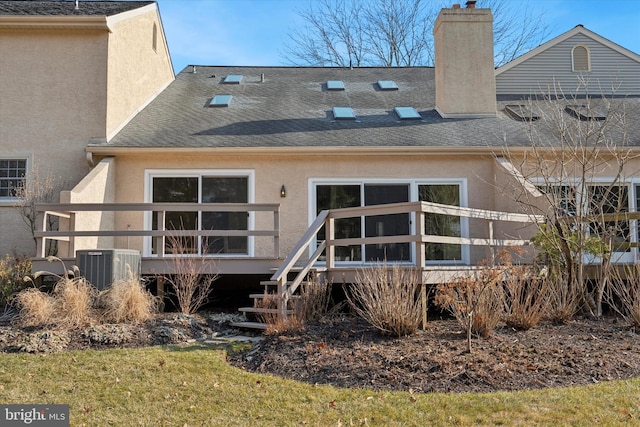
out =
column 67, row 7
column 292, row 107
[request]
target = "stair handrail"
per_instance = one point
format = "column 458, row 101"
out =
column 281, row 274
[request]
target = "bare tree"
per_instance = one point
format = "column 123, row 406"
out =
column 398, row 33
column 576, row 143
column 37, row 187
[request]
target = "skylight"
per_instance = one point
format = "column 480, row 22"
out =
column 335, row 85
column 220, row 101
column 343, row 113
column 233, row 79
column 407, row 113
column 387, row 85
column 584, row 112
column 521, row 112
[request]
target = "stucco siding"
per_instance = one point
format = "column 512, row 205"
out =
column 136, row 71
column 611, row 72
column 297, row 172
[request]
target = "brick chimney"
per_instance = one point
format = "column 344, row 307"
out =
column 465, row 82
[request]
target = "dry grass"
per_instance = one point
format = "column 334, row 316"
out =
column 315, row 297
column 624, row 295
column 74, row 300
column 35, row 307
column 526, row 298
column 387, row 298
column 564, row 299
column 128, row 301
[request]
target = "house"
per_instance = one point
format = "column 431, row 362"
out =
column 242, row 163
column 70, row 73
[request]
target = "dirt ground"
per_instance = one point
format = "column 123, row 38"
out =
column 349, row 353
column 346, row 352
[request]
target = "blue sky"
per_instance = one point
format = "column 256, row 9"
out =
column 254, row 32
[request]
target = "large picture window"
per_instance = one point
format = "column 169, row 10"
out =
column 329, row 195
column 205, row 187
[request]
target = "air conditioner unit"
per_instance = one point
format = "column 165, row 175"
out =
column 102, row 267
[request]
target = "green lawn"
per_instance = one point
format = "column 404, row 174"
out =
column 194, row 386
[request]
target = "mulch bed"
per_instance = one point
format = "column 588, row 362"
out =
column 346, row 352
column 349, row 353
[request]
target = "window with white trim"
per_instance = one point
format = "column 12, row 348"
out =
column 355, row 193
column 203, row 187
column 12, row 175
column 580, row 58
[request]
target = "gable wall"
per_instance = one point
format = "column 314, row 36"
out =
column 136, row 72
column 537, row 74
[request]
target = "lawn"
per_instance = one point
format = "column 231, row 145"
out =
column 194, row 386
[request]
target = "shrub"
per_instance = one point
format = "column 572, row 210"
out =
column 74, row 299
column 565, row 298
column 36, row 307
column 624, row 295
column 127, row 301
column 526, row 297
column 387, row 298
column 313, row 303
column 193, row 278
column 13, row 271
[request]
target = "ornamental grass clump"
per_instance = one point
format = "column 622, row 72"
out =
column 387, row 298
column 35, row 307
column 127, row 301
column 74, row 300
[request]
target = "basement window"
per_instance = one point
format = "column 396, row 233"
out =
column 233, row 79
column 335, row 85
column 585, row 113
column 387, row 85
column 220, row 101
column 521, row 112
column 407, row 113
column 343, row 113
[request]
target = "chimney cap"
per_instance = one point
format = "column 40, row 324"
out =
column 471, row 4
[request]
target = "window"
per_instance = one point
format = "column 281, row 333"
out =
column 441, row 225
column 343, row 113
column 580, row 59
column 521, row 112
column 233, row 79
column 330, row 195
column 387, row 85
column 585, row 112
column 407, row 113
column 220, row 101
column 154, row 37
column 203, row 187
column 12, row 174
column 335, row 85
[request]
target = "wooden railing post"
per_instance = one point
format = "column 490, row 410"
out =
column 420, row 246
column 160, row 239
column 276, row 237
column 330, row 230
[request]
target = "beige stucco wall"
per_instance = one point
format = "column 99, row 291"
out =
column 97, row 187
column 296, row 172
column 136, row 71
column 464, row 71
column 64, row 83
column 52, row 86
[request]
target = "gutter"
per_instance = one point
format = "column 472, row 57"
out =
column 55, row 22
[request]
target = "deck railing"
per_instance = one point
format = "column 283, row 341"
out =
column 326, row 220
column 70, row 212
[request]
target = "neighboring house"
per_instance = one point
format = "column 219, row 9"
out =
column 293, row 141
column 70, row 73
